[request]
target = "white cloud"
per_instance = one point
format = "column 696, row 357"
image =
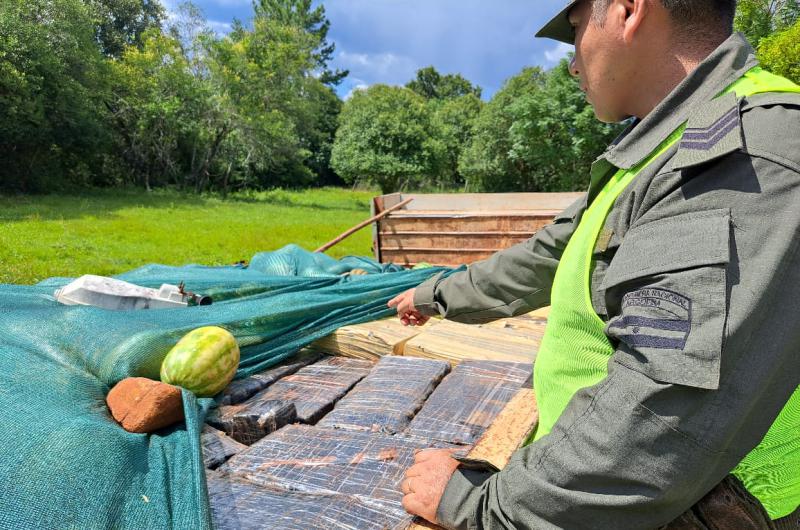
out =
column 554, row 55
column 220, row 28
column 367, row 69
column 358, row 86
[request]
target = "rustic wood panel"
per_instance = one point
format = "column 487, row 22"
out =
column 464, row 223
column 370, row 340
column 487, row 201
column 454, row 342
column 449, row 259
column 506, row 434
column 443, row 241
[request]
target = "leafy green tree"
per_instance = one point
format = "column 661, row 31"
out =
column 780, row 52
column 312, row 20
column 430, row 84
column 52, row 86
column 758, row 19
column 122, row 23
column 453, row 121
column 385, row 137
column 159, row 110
column 537, row 134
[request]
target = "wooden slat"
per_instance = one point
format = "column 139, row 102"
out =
column 506, row 434
column 455, row 342
column 494, row 242
column 468, row 224
column 450, row 259
column 532, row 323
column 371, row 340
column 491, row 201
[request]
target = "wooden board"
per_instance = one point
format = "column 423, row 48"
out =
column 370, row 340
column 454, row 342
column 506, row 434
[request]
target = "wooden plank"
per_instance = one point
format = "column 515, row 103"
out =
column 491, row 201
column 490, row 241
column 454, row 342
column 453, row 223
column 506, row 434
column 509, row 430
column 371, row 340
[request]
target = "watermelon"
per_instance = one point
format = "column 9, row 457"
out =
column 204, row 361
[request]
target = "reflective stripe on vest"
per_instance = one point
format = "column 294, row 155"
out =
column 575, row 352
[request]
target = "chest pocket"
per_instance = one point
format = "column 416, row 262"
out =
column 666, row 291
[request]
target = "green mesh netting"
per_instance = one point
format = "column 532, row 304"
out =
column 66, row 462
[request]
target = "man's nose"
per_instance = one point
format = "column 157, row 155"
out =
column 573, row 68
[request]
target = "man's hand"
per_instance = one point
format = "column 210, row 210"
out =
column 425, row 482
column 408, row 314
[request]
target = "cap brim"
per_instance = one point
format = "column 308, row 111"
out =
column 559, row 27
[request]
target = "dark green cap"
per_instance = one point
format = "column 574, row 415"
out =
column 559, row 27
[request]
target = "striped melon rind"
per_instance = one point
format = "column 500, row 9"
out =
column 204, row 361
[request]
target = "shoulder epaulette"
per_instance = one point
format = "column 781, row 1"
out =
column 713, row 130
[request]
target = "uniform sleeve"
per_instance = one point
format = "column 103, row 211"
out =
column 511, row 282
column 703, row 296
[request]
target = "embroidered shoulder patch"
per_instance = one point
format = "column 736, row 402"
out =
column 654, row 318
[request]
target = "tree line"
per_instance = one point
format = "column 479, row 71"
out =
column 102, row 93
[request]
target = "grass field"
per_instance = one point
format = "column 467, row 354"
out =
column 113, row 231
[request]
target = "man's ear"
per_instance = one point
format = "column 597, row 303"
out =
column 634, row 12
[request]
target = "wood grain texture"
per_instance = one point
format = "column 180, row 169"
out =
column 456, row 342
column 371, row 340
column 506, row 434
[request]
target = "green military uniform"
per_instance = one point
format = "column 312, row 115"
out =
column 711, row 227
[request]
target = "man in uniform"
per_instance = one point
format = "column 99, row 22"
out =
column 668, row 376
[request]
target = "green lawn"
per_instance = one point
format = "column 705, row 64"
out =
column 113, row 231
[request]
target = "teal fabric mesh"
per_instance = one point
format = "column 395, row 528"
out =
column 68, row 464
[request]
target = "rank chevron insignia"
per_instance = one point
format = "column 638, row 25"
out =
column 707, row 137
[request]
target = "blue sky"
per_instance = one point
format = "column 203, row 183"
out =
column 387, row 41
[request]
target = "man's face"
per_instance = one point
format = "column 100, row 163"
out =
column 600, row 62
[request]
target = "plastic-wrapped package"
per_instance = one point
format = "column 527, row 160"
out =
column 243, row 389
column 468, row 400
column 237, row 504
column 316, row 388
column 310, row 459
column 250, row 421
column 389, row 396
column 217, row 447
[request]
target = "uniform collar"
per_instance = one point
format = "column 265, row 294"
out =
column 725, row 65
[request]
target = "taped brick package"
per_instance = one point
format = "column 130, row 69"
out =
column 387, row 399
column 468, row 400
column 217, row 447
column 316, row 388
column 243, row 389
column 304, row 396
column 237, row 504
column 361, row 466
column 252, row 420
